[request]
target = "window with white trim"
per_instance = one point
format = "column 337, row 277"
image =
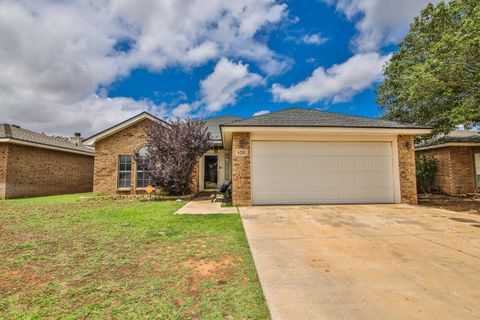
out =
column 125, row 171
column 143, row 176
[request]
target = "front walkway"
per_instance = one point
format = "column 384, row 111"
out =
column 366, row 261
column 204, row 205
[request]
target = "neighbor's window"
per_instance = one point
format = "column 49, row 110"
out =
column 143, row 178
column 124, row 171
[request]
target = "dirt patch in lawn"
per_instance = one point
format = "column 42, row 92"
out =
column 459, row 204
column 216, row 271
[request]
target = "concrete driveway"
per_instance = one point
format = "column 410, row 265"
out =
column 366, row 261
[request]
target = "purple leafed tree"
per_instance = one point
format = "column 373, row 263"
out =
column 173, row 153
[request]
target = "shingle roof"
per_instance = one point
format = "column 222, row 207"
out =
column 8, row 131
column 298, row 117
column 213, row 125
column 456, row 136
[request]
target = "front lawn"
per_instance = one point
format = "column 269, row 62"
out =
column 66, row 258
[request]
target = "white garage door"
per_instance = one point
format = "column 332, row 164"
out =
column 322, row 172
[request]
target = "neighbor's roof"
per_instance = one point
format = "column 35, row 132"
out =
column 298, row 117
column 454, row 137
column 213, row 125
column 15, row 134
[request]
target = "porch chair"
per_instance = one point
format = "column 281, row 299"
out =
column 222, row 190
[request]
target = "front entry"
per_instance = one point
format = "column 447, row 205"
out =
column 210, row 172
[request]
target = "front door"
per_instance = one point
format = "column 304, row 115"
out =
column 210, row 172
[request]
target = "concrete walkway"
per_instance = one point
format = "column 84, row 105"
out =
column 204, row 205
column 366, row 261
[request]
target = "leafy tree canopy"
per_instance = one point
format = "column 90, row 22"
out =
column 434, row 79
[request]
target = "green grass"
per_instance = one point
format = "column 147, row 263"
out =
column 66, row 258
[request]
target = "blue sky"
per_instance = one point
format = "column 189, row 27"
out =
column 83, row 66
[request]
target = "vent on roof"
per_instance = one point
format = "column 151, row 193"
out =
column 16, row 126
column 77, row 138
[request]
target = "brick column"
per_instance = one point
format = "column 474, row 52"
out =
column 196, row 177
column 241, row 185
column 406, row 161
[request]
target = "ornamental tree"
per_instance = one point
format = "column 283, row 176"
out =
column 173, row 152
column 434, row 78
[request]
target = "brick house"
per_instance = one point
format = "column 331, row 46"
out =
column 293, row 156
column 34, row 164
column 458, row 161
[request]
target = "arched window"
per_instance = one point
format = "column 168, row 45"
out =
column 143, row 176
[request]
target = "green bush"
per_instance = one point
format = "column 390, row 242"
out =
column 426, row 167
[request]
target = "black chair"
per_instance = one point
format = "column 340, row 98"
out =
column 222, row 190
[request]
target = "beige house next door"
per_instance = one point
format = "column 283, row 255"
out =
column 322, row 172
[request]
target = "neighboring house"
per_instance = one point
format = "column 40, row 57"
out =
column 458, row 161
column 34, row 164
column 293, row 156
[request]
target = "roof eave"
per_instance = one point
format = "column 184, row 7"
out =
column 47, row 146
column 226, row 130
column 448, row 144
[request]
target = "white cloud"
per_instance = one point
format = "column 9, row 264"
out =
column 220, row 88
column 338, row 83
column 261, row 112
column 315, row 39
column 55, row 55
column 379, row 22
column 88, row 116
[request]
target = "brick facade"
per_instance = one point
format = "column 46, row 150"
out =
column 456, row 168
column 3, row 169
column 406, row 161
column 107, row 150
column 241, row 183
column 31, row 171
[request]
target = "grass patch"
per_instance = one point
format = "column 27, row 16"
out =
column 65, row 258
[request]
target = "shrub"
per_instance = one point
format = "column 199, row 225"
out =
column 173, row 153
column 426, row 167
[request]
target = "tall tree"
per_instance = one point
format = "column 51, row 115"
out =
column 173, row 153
column 434, row 78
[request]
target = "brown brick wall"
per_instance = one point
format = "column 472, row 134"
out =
column 3, row 168
column 443, row 178
column 107, row 150
column 241, row 184
column 456, row 168
column 33, row 171
column 406, row 160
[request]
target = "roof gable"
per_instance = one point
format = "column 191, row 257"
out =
column 121, row 126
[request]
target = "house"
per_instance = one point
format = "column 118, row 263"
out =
column 34, row 164
column 293, row 156
column 458, row 161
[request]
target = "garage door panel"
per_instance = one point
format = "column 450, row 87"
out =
column 322, row 172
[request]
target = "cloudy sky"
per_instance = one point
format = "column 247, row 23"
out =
column 83, row 65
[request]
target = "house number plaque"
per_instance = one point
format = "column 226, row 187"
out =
column 241, row 152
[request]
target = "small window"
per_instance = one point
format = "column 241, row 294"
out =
column 143, row 177
column 124, row 171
